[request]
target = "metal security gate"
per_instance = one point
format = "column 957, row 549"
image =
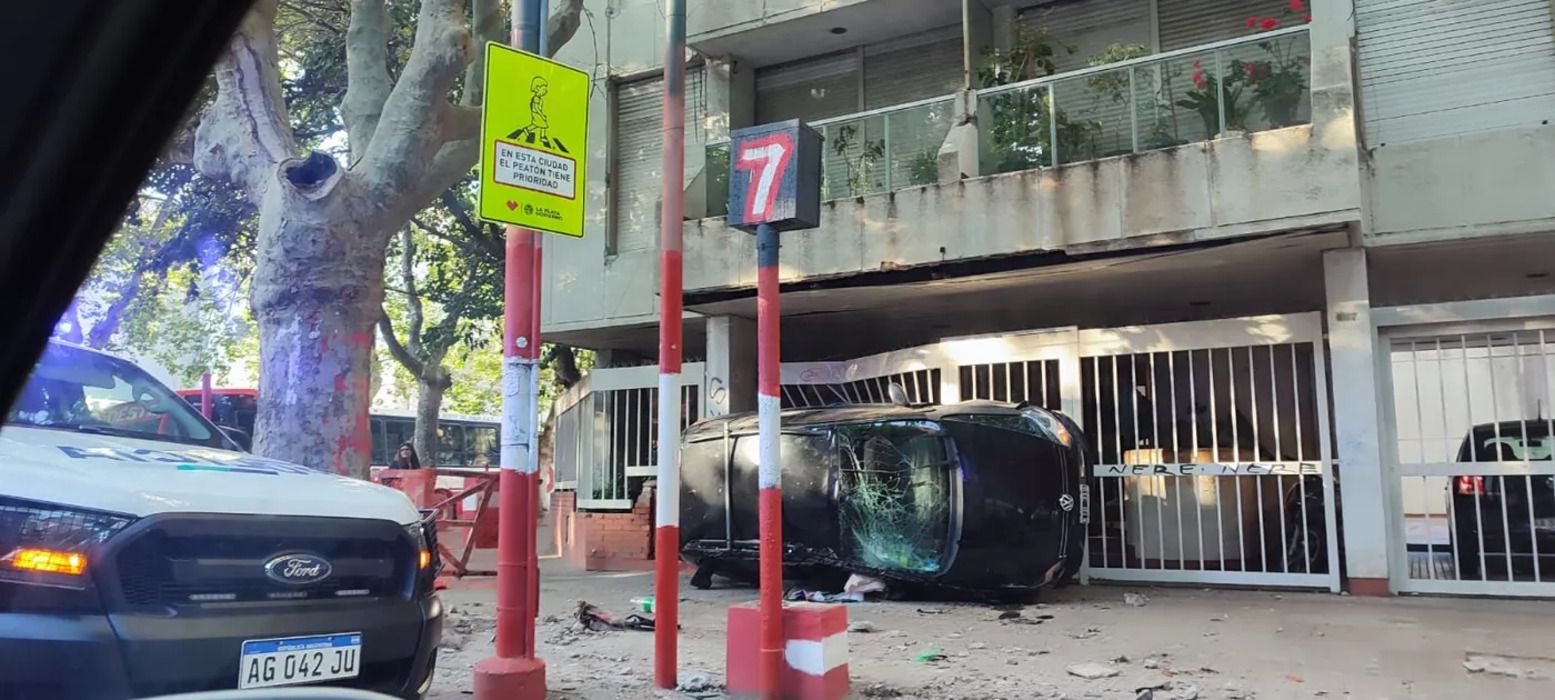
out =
column 1213, row 462
column 606, row 434
column 1468, row 433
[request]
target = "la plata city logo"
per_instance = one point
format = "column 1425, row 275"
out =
column 539, row 124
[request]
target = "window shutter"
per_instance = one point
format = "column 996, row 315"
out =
column 809, row 89
column 636, row 154
column 913, row 68
column 1186, row 23
column 1090, row 26
column 1436, row 68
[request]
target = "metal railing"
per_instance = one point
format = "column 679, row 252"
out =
column 864, row 153
column 1251, row 83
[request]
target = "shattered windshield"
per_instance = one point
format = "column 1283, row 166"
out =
column 82, row 391
column 894, row 496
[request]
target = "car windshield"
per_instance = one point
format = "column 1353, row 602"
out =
column 88, row 392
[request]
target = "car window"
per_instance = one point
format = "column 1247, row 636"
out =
column 73, row 389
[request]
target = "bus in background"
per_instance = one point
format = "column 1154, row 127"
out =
column 463, row 441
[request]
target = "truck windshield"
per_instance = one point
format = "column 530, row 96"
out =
column 83, row 391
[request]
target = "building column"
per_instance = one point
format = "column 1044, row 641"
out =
column 731, row 366
column 1351, row 348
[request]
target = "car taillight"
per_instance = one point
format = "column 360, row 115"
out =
column 1471, row 485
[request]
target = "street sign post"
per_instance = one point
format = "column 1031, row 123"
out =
column 534, row 136
column 774, row 184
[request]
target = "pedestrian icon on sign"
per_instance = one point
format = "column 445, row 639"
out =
column 539, row 124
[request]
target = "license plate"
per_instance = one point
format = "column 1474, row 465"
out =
column 293, row 660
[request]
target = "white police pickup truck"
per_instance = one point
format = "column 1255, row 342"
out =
column 141, row 554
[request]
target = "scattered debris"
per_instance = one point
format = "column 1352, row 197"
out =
column 929, row 655
column 879, row 690
column 1087, row 634
column 1506, row 665
column 800, row 594
column 1136, row 600
column 1009, row 615
column 1152, row 663
column 861, row 627
column 1217, row 618
column 699, row 685
column 1120, row 660
column 1233, row 692
column 1295, row 678
column 1092, row 671
column 859, row 583
column 977, row 646
column 1187, row 692
column 931, row 611
column 590, row 617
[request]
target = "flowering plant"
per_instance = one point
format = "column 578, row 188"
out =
column 1279, row 81
column 1203, row 98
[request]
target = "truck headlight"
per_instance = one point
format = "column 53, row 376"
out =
column 48, row 544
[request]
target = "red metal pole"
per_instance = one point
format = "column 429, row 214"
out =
column 768, row 421
column 672, row 162
column 514, row 673
column 207, row 398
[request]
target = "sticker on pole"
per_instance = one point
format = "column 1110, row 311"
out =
column 775, row 176
column 534, row 131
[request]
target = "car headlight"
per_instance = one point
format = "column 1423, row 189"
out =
column 48, row 544
column 1049, row 425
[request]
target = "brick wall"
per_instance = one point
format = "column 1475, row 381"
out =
column 604, row 541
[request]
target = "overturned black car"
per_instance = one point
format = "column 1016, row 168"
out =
column 976, row 497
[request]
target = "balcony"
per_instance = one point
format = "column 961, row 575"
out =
column 1251, row 84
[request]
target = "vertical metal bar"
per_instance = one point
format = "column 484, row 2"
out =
column 1117, row 441
column 1252, row 386
column 1279, row 479
column 1452, row 520
column 1025, row 383
column 1171, row 378
column 1236, row 457
column 1300, row 456
column 1096, row 431
column 890, row 161
column 1414, row 366
column 1133, row 114
column 1193, row 407
column 1522, row 395
column 1325, row 456
column 1155, row 448
column 1220, row 93
column 1214, row 439
column 769, row 474
column 1139, row 481
column 1495, row 422
column 1468, row 409
column 1052, row 124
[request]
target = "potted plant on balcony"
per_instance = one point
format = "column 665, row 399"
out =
column 1204, row 100
column 1018, row 133
column 1280, row 80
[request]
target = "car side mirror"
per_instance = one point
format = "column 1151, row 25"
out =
column 237, row 435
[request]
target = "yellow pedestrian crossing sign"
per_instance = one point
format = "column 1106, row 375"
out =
column 534, row 136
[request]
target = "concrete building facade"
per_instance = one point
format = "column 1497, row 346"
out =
column 1279, row 258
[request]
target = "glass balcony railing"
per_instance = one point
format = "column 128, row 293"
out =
column 1253, row 83
column 1249, row 84
column 862, row 154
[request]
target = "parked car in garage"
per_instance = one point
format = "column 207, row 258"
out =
column 980, row 496
column 1504, row 525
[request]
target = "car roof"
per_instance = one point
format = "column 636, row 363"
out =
column 799, row 418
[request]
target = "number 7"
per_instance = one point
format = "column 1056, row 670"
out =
column 766, row 159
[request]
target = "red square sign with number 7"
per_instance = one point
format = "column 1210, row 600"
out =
column 775, row 176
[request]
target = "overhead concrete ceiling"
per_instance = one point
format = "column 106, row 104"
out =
column 812, row 35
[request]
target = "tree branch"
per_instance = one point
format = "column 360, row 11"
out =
column 397, row 351
column 474, row 230
column 459, row 127
column 403, row 143
column 470, row 247
column 367, row 72
column 487, row 19
column 245, row 133
column 415, row 315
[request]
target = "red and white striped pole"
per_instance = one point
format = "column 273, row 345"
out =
column 515, row 673
column 768, row 474
column 672, row 168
